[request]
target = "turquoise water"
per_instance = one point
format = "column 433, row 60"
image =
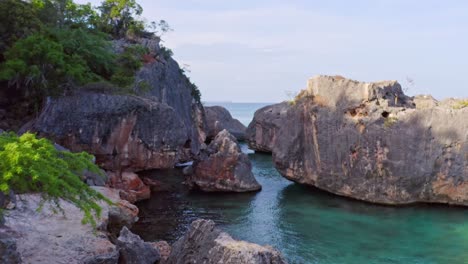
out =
column 308, row 225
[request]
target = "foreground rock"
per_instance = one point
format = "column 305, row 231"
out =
column 204, row 243
column 218, row 118
column 368, row 141
column 133, row 250
column 45, row 237
column 123, row 132
column 8, row 249
column 223, row 167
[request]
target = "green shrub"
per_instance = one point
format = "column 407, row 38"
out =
column 29, row 164
column 461, row 104
column 166, row 52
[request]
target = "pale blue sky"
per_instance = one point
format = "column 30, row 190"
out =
column 256, row 50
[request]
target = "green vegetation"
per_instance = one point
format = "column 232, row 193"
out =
column 461, row 104
column 29, row 164
column 50, row 47
column 390, row 121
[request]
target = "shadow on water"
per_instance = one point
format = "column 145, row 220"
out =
column 306, row 224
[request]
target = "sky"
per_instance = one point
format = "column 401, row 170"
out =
column 265, row 50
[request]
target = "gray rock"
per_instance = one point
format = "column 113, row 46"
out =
column 8, row 251
column 48, row 237
column 108, row 258
column 122, row 132
column 368, row 146
column 223, row 167
column 218, row 118
column 204, row 243
column 167, row 84
column 133, row 250
column 262, row 132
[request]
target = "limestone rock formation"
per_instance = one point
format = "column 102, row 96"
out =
column 223, row 167
column 204, row 243
column 45, row 237
column 123, row 132
column 133, row 250
column 368, row 141
column 218, row 118
column 261, row 134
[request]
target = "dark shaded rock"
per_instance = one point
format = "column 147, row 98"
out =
column 123, row 132
column 204, row 243
column 109, row 258
column 223, row 167
column 167, row 84
column 218, row 118
column 8, row 251
column 369, row 141
column 133, row 250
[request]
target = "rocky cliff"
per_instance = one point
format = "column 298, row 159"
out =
column 368, row 141
column 161, row 126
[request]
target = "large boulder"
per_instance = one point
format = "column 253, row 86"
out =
column 218, row 118
column 262, row 132
column 50, row 237
column 133, row 250
column 371, row 142
column 204, row 243
column 123, row 132
column 223, row 167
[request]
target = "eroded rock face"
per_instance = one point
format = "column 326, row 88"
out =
column 223, row 167
column 204, row 243
column 133, row 250
column 369, row 141
column 218, row 118
column 123, row 132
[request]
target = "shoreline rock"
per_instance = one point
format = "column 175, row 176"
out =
column 48, row 237
column 223, row 167
column 218, row 118
column 204, row 243
column 368, row 141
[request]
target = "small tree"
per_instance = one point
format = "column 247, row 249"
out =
column 29, row 164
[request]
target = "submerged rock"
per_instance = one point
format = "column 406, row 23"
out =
column 223, row 167
column 204, row 243
column 368, row 141
column 218, row 118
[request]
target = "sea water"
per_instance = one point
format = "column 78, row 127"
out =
column 308, row 225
